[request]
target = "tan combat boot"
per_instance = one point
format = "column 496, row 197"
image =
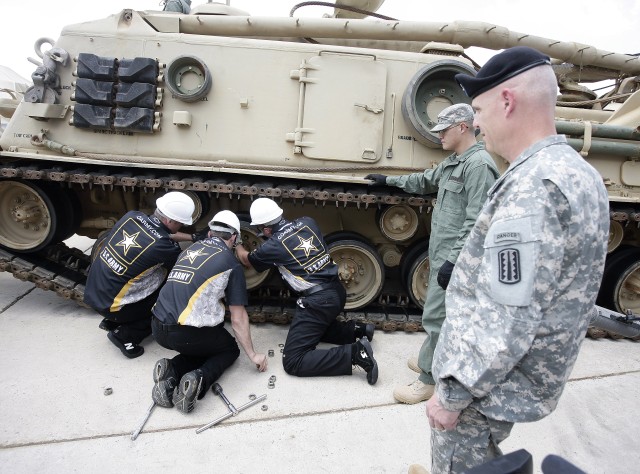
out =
column 417, row 469
column 412, row 363
column 415, row 392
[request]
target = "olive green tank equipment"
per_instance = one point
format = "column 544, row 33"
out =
column 228, row 107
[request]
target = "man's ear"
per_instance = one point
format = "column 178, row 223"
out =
column 508, row 101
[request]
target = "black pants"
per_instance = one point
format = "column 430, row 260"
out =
column 134, row 319
column 211, row 349
column 315, row 322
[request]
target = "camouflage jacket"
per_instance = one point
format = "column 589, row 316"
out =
column 523, row 289
column 462, row 182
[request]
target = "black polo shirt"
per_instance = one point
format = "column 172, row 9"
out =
column 204, row 274
column 133, row 263
column 299, row 251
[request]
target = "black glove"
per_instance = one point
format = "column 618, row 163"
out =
column 444, row 274
column 379, row 179
column 200, row 235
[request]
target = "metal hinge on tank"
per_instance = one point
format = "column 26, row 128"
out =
column 117, row 94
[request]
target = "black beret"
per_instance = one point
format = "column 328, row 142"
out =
column 499, row 68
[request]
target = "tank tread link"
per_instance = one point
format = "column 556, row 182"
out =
column 309, row 191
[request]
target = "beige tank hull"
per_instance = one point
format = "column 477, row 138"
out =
column 232, row 109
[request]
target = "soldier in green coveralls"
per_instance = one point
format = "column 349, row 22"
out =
column 461, row 181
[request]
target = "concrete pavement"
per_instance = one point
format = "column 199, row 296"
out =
column 56, row 418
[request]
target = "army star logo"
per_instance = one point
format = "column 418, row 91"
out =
column 192, row 255
column 306, row 245
column 129, row 241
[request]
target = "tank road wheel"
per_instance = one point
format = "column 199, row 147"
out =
column 360, row 270
column 414, row 271
column 620, row 288
column 200, row 203
column 398, row 223
column 418, row 279
column 251, row 241
column 69, row 212
column 616, row 234
column 28, row 218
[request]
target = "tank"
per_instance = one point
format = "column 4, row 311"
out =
column 228, row 107
column 12, row 89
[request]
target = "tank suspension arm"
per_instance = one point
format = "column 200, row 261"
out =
column 464, row 33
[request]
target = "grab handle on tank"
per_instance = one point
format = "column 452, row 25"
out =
column 39, row 140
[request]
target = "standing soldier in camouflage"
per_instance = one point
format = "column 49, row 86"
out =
column 525, row 283
column 461, row 181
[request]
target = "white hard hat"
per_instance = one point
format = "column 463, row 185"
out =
column 177, row 206
column 264, row 211
column 225, row 221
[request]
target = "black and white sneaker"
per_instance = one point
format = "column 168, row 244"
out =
column 363, row 357
column 164, row 376
column 186, row 394
column 129, row 349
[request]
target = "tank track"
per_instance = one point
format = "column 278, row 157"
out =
column 63, row 270
column 219, row 184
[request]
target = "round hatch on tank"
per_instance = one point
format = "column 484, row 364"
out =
column 188, row 78
column 431, row 90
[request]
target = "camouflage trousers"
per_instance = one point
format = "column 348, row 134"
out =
column 474, row 441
